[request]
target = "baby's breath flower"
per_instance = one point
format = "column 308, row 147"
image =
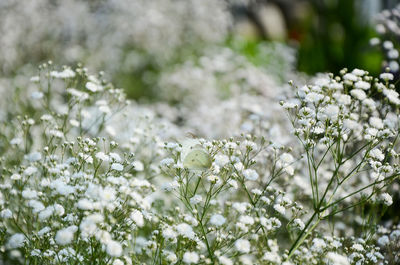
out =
column 114, row 248
column 66, row 235
column 16, row 241
column 242, row 245
column 217, row 220
column 250, row 174
column 190, row 257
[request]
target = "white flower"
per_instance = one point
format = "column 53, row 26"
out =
column 16, row 241
column 383, row 240
column 185, row 230
column 242, row 245
column 46, row 213
column 250, row 174
column 318, row 245
column 393, row 54
column 362, row 85
column 167, row 161
column 62, row 188
column 66, row 73
column 44, row 231
column 195, row 199
column 350, row 77
column 59, row 209
column 213, row 179
column 221, row 160
column 337, row 259
column 114, row 248
column 85, row 204
column 369, row 103
column 138, row 165
column 343, row 99
column 169, row 233
column 29, row 194
column 170, row 257
column 88, row 228
column 36, row 253
column 246, row 219
column 376, row 122
column 272, row 257
column 239, row 166
column 286, row 158
column 103, row 236
column 170, row 186
column 5, row 214
column 358, row 94
column 386, row 76
column 118, row 262
column 289, row 105
column 117, row 167
column 225, row 261
column 280, row 209
column 93, row 87
column 314, row 97
column 241, row 207
column 392, row 95
column 387, row 44
column 103, row 157
column 107, row 194
column 30, row 171
column 233, row 183
column 36, row 205
column 332, row 111
column 357, row 247
column 190, row 257
column 66, row 235
column 377, row 154
column 15, row 177
column 299, row 223
column 217, row 220
column 358, row 72
column 387, row 199
column 16, row 141
column 137, row 217
column 33, row 157
column 115, row 157
column 393, row 65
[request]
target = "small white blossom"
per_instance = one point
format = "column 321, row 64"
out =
column 114, row 248
column 217, row 220
column 242, row 245
column 66, row 235
column 117, row 166
column 190, row 257
column 250, row 174
column 16, row 241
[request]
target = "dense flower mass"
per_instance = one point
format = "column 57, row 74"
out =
column 226, row 165
column 91, row 177
column 388, row 29
column 69, row 28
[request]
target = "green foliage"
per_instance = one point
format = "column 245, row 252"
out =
column 334, row 36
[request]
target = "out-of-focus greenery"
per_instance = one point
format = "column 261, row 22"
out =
column 141, row 82
column 272, row 56
column 331, row 35
column 334, row 35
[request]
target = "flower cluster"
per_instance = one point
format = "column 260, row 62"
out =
column 89, row 177
column 118, row 34
column 388, row 29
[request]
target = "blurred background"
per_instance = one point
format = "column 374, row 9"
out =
column 328, row 34
column 134, row 42
column 226, row 54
